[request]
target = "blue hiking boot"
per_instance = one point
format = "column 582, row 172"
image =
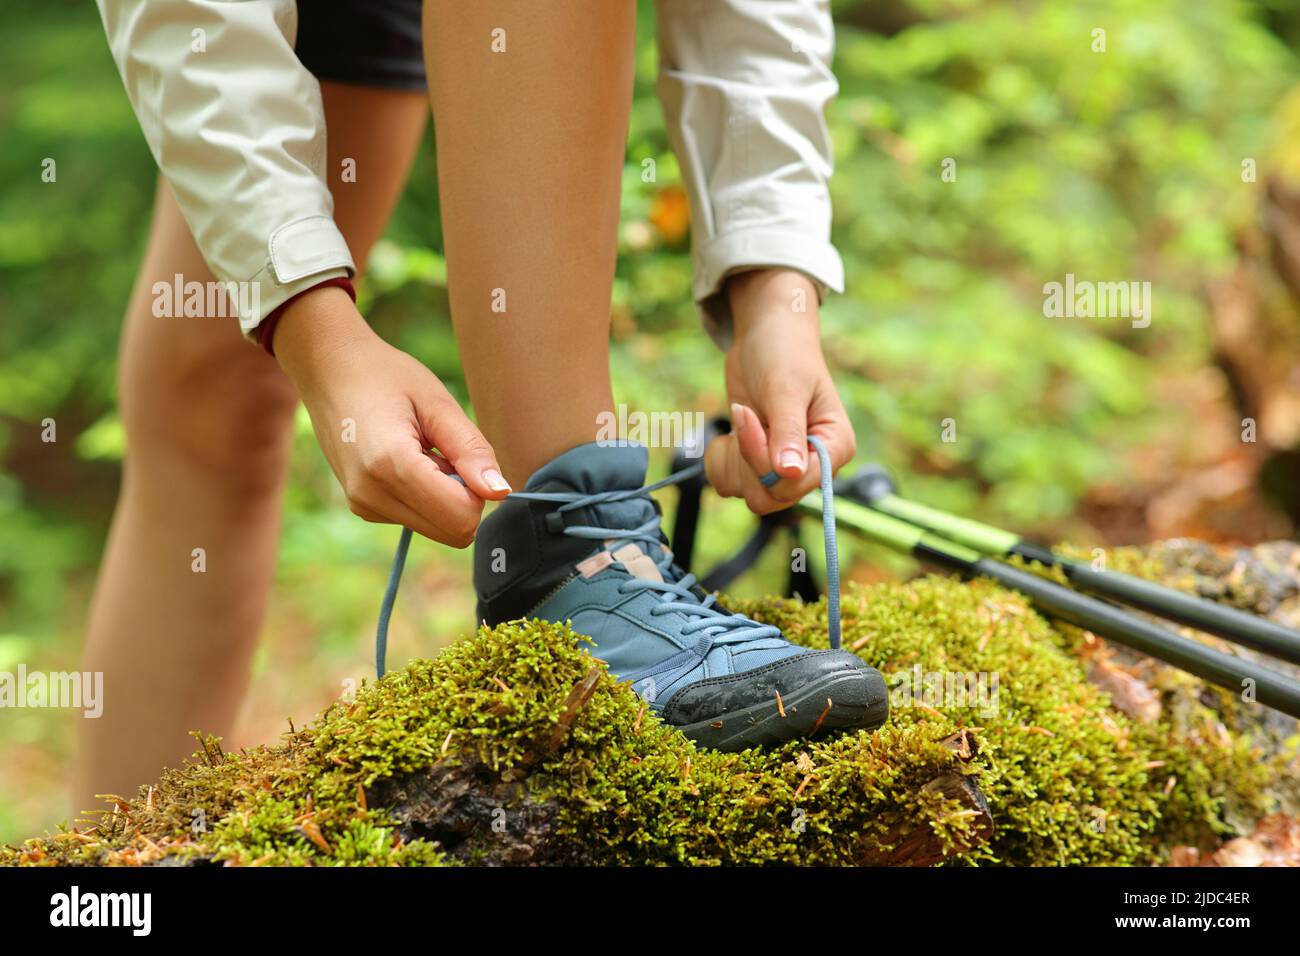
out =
column 582, row 544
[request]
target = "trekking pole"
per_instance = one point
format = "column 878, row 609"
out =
column 873, row 487
column 1224, row 670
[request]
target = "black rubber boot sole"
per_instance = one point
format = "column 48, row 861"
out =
column 858, row 700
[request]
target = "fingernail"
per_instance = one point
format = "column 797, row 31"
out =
column 737, row 417
column 791, row 459
column 494, row 480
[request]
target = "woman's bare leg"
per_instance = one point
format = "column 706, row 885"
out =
column 208, row 420
column 530, row 105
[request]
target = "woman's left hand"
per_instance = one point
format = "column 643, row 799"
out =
column 781, row 392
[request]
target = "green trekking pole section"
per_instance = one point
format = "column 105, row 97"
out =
column 873, row 488
column 1232, row 673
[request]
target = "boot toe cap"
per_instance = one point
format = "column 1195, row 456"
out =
column 849, row 680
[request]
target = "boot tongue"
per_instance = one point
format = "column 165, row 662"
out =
column 593, row 468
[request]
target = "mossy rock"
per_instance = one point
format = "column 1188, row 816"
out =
column 515, row 746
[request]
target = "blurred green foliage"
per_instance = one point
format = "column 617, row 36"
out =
column 1122, row 165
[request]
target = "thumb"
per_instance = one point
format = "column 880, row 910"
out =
column 786, row 411
column 449, row 430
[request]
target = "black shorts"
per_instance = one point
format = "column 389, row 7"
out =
column 364, row 42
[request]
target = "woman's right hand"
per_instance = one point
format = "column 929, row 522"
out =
column 377, row 412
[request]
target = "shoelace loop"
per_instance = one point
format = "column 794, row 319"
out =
column 714, row 625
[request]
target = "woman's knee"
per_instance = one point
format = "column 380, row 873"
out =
column 223, row 419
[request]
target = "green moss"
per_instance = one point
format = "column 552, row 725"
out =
column 1068, row 779
column 1064, row 784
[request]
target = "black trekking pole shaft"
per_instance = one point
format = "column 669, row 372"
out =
column 1224, row 670
column 1235, row 625
column 1229, row 623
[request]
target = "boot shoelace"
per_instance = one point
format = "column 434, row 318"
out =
column 714, row 625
